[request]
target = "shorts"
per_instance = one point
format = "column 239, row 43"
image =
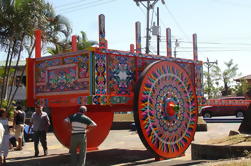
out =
column 4, row 147
column 19, row 131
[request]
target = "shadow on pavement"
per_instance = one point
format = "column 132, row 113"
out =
column 97, row 158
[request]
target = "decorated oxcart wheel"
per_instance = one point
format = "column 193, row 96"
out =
column 95, row 137
column 165, row 109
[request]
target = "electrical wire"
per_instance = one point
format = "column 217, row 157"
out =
column 70, row 4
column 235, row 4
column 176, row 22
column 94, row 4
column 142, row 11
column 209, row 43
column 79, row 5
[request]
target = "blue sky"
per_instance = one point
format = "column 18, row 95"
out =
column 223, row 26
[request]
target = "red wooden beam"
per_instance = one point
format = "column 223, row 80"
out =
column 38, row 34
column 74, row 43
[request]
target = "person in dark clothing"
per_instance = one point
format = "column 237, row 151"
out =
column 18, row 124
column 245, row 127
column 40, row 122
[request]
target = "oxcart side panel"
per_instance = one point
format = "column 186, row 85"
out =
column 60, row 79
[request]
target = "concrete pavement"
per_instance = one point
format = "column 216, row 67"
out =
column 122, row 147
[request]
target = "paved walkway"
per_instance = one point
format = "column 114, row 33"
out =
column 122, row 147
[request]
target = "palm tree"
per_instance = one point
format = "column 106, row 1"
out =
column 228, row 75
column 18, row 20
column 84, row 43
column 65, row 46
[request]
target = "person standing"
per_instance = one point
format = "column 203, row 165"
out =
column 4, row 147
column 18, row 124
column 40, row 122
column 80, row 125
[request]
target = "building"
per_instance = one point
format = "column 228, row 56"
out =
column 21, row 92
column 247, row 78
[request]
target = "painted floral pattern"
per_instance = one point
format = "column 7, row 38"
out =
column 64, row 74
column 121, row 75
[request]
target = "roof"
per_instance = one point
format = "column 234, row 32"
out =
column 248, row 77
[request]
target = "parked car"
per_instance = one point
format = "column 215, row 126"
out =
column 227, row 106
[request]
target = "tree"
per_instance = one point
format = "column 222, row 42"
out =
column 219, row 83
column 18, row 20
column 227, row 76
column 242, row 88
column 212, row 80
column 83, row 43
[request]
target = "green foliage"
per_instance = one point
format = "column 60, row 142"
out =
column 241, row 88
column 212, row 81
column 2, row 71
column 227, row 76
column 18, row 20
column 10, row 110
column 248, row 92
column 65, row 46
column 220, row 83
column 83, row 42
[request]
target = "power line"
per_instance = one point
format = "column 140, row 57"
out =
column 79, row 5
column 70, row 4
column 142, row 11
column 87, row 6
column 235, row 4
column 214, row 51
column 176, row 22
column 212, row 43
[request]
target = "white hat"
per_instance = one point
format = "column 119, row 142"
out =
column 82, row 108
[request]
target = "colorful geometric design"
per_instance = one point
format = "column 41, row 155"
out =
column 121, row 75
column 119, row 99
column 189, row 68
column 84, row 100
column 149, row 56
column 42, row 102
column 41, row 73
column 104, row 100
column 142, row 63
column 63, row 75
column 100, row 74
column 96, row 100
column 199, row 80
column 165, row 109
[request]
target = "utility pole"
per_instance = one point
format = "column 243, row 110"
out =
column 209, row 65
column 158, row 36
column 177, row 44
column 148, row 4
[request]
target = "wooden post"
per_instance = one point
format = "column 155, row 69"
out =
column 168, row 42
column 132, row 48
column 102, row 41
column 74, row 43
column 38, row 35
column 138, row 36
column 195, row 48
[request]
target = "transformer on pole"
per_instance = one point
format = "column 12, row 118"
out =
column 148, row 4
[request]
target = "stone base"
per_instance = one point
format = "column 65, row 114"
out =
column 215, row 152
column 201, row 125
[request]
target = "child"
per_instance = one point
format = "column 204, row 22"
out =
column 4, row 147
